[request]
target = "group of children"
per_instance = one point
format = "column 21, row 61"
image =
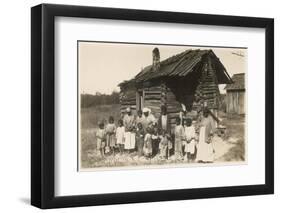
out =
column 110, row 137
column 185, row 139
column 149, row 141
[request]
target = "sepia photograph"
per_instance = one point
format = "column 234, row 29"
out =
column 160, row 105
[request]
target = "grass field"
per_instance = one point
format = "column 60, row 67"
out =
column 229, row 148
column 91, row 116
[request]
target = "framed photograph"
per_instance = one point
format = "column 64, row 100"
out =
column 140, row 106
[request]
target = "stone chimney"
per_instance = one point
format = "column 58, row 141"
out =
column 155, row 59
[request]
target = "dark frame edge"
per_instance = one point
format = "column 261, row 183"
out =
column 36, row 60
column 269, row 105
column 42, row 107
column 154, row 196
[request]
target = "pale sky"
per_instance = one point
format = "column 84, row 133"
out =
column 102, row 66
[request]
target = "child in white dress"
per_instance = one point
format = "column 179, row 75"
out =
column 190, row 142
column 179, row 136
column 120, row 136
column 147, row 148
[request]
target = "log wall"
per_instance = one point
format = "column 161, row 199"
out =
column 153, row 99
column 173, row 106
column 128, row 99
column 208, row 90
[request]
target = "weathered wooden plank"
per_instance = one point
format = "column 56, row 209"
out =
column 157, row 101
column 210, row 92
column 173, row 111
column 157, row 88
column 209, row 87
column 128, row 99
column 153, row 107
column 153, row 92
column 173, row 103
column 174, row 114
column 152, row 97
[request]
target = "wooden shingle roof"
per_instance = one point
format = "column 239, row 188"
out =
column 238, row 82
column 181, row 65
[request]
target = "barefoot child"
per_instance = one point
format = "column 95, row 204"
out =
column 179, row 136
column 155, row 140
column 190, row 143
column 164, row 145
column 100, row 135
column 110, row 135
column 147, row 149
column 140, row 139
column 120, row 136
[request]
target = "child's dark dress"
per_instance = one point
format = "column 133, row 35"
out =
column 140, row 141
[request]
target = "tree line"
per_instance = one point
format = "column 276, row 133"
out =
column 90, row 100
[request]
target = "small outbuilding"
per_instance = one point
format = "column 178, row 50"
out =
column 190, row 78
column 235, row 95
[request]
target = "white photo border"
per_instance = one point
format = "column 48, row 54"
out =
column 70, row 182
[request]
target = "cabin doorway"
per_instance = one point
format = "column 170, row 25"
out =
column 140, row 99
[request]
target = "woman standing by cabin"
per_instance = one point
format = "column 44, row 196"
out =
column 165, row 129
column 148, row 118
column 129, row 124
column 205, row 150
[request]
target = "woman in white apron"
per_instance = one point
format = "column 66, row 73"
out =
column 130, row 136
column 205, row 150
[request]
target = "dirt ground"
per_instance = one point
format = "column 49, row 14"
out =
column 229, row 147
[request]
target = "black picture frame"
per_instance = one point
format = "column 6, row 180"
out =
column 43, row 105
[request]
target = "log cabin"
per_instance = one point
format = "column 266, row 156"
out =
column 190, row 78
column 235, row 95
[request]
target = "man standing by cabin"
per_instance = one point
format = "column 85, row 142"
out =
column 164, row 121
column 182, row 114
column 129, row 124
column 140, row 117
column 165, row 127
